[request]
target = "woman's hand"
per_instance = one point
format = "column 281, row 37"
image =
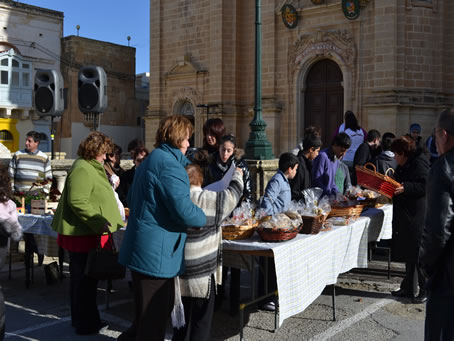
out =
column 239, row 170
column 399, row 190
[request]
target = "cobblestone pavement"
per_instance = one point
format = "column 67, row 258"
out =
column 364, row 310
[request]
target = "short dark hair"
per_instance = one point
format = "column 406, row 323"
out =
column 311, row 141
column 372, row 135
column 446, row 121
column 116, row 150
column 404, row 145
column 342, row 140
column 34, row 135
column 133, row 144
column 386, row 143
column 286, row 161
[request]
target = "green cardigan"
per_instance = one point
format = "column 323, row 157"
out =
column 87, row 202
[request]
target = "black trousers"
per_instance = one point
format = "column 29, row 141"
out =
column 198, row 314
column 2, row 314
column 154, row 300
column 439, row 321
column 83, row 290
column 413, row 278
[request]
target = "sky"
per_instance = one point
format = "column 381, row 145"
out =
column 107, row 20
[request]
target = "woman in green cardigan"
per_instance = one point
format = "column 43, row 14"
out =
column 87, row 209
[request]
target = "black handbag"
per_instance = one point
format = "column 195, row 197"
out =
column 102, row 264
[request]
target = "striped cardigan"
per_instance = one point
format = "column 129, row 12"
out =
column 202, row 254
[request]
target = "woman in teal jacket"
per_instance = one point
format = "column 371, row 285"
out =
column 86, row 210
column 160, row 212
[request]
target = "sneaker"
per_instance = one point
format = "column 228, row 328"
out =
column 269, row 306
column 421, row 298
column 401, row 293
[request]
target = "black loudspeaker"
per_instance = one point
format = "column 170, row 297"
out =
column 92, row 86
column 49, row 97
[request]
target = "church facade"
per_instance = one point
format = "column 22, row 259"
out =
column 389, row 61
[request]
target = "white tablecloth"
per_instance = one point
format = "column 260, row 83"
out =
column 307, row 263
column 40, row 227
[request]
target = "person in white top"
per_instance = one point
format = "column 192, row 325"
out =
column 355, row 132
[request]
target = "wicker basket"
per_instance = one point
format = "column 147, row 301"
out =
column 348, row 211
column 277, row 235
column 237, row 232
column 377, row 182
column 312, row 224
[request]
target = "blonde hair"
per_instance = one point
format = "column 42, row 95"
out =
column 195, row 174
column 95, row 144
column 173, row 130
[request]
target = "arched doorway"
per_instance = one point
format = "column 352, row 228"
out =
column 324, row 98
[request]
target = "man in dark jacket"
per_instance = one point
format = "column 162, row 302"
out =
column 385, row 159
column 436, row 254
column 303, row 178
column 366, row 151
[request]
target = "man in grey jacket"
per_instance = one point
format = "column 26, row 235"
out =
column 436, row 254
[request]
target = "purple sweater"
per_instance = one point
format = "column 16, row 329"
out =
column 324, row 169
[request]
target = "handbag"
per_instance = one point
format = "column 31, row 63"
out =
column 102, row 264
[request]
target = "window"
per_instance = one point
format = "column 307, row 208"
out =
column 15, row 63
column 14, row 78
column 26, row 79
column 6, row 135
column 4, row 62
column 26, row 66
column 4, row 77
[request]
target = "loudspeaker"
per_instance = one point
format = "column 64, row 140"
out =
column 49, row 97
column 92, row 86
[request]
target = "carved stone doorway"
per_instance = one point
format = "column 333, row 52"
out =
column 324, row 98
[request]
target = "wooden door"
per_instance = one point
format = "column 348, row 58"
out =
column 324, row 99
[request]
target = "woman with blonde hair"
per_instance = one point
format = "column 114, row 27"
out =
column 161, row 210
column 86, row 211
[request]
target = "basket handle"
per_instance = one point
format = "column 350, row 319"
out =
column 371, row 164
column 389, row 169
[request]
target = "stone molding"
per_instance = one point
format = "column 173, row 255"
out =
column 323, row 44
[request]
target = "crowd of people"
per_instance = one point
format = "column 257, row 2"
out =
column 172, row 243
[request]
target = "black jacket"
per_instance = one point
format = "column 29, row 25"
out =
column 302, row 179
column 408, row 208
column 383, row 162
column 216, row 170
column 125, row 183
column 436, row 255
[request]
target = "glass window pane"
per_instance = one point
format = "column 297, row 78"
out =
column 26, row 79
column 4, row 77
column 5, row 62
column 15, row 78
column 15, row 63
column 26, row 66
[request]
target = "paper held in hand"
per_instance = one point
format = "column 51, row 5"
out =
column 222, row 184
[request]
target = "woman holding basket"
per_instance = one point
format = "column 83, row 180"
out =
column 408, row 214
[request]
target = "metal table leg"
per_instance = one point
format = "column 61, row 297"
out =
column 334, row 302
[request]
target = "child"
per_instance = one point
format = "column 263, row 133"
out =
column 277, row 196
column 9, row 227
column 203, row 254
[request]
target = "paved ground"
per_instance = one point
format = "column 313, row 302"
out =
column 365, row 311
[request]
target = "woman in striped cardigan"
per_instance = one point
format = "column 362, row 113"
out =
column 203, row 255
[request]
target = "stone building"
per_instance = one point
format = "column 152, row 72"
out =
column 123, row 117
column 392, row 65
column 29, row 40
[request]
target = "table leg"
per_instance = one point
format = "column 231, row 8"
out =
column 235, row 277
column 334, row 302
column 27, row 258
